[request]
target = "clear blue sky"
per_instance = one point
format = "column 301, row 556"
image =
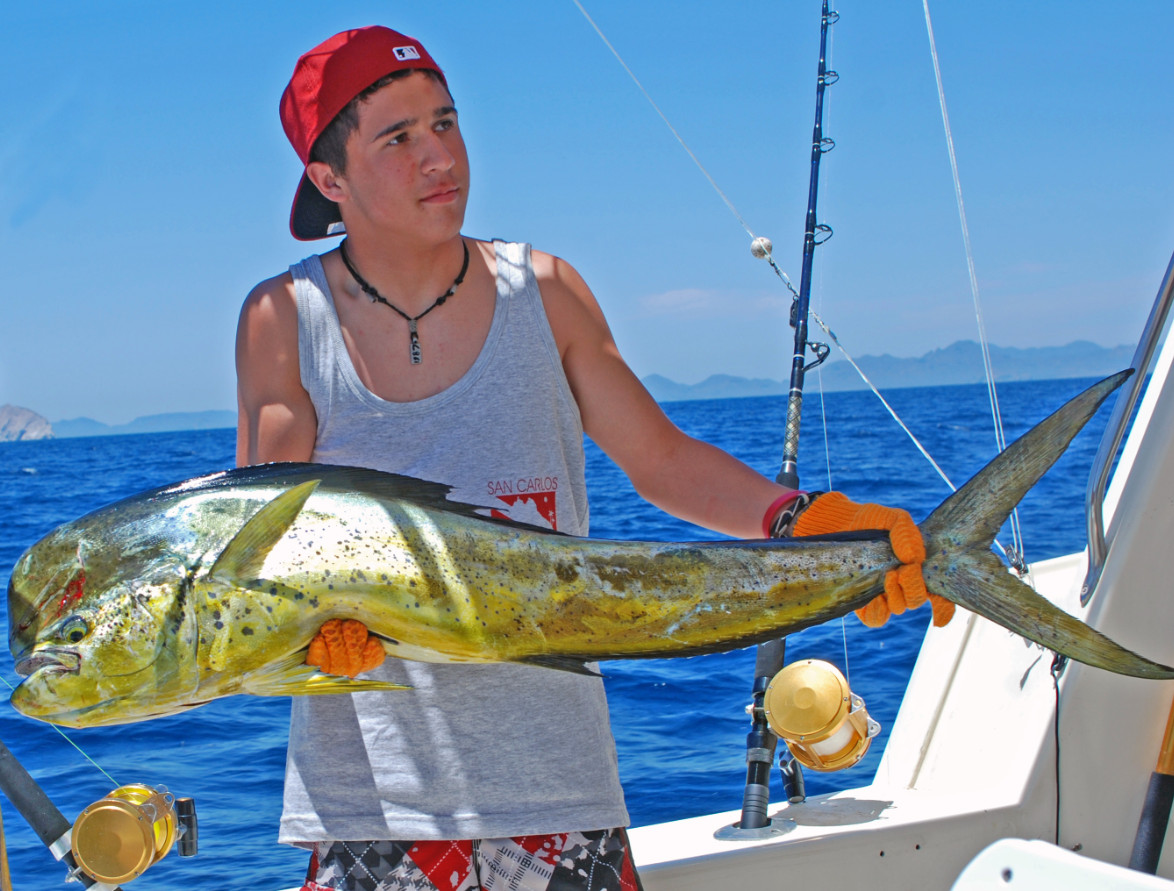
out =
column 145, row 182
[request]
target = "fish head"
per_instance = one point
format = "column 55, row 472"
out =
column 102, row 633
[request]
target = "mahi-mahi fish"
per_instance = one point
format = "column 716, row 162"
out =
column 215, row 586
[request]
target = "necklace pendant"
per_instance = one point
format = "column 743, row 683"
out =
column 376, row 297
column 414, row 345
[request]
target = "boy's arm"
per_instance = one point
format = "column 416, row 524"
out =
column 275, row 417
column 692, row 479
column 276, row 422
column 684, row 476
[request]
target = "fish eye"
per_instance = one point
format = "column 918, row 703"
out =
column 74, row 629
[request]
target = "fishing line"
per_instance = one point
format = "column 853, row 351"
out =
column 996, row 416
column 762, row 243
column 761, row 247
column 101, row 769
column 892, row 411
column 827, row 178
column 896, row 417
column 668, row 124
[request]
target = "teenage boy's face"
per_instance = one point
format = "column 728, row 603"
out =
column 407, row 167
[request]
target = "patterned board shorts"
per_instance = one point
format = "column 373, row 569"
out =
column 574, row 861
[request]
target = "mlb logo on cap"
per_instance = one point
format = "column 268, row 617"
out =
column 403, row 53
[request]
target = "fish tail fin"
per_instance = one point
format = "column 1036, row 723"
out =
column 961, row 567
column 975, row 513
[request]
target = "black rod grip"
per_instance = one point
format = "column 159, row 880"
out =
column 30, row 799
column 39, row 812
column 1151, row 828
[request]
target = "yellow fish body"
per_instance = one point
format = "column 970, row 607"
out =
column 215, row 586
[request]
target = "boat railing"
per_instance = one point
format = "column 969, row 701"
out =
column 1098, row 479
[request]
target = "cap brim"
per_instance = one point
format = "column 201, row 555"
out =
column 314, row 215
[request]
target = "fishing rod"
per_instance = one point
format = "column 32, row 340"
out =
column 762, row 742
column 115, row 839
column 814, row 234
column 775, row 713
column 41, row 814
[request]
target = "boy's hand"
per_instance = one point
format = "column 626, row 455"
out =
column 904, row 586
column 344, row 646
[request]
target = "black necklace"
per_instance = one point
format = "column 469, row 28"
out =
column 376, row 297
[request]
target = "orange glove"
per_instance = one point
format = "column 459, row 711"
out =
column 344, row 646
column 904, row 586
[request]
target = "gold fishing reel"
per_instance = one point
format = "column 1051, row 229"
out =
column 825, row 725
column 118, row 837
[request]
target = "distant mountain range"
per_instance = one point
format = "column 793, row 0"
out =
column 959, row 363
column 180, row 420
column 18, row 423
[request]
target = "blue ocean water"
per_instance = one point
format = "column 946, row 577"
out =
column 680, row 725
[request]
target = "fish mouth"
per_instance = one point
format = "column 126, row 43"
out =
column 54, row 662
column 50, row 661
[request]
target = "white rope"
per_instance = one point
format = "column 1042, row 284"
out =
column 996, row 416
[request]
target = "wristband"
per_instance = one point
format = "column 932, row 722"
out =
column 788, row 518
column 773, row 511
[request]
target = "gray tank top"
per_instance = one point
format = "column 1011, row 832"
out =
column 472, row 751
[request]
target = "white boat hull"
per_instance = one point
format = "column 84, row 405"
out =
column 972, row 755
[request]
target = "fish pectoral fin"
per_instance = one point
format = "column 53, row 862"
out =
column 561, row 663
column 292, row 677
column 244, row 556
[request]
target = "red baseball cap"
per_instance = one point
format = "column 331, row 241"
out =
column 324, row 81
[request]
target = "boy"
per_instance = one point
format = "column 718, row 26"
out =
column 412, row 348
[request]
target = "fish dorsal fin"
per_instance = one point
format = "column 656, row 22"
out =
column 397, row 487
column 245, row 554
column 342, row 478
column 379, row 484
column 337, row 478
